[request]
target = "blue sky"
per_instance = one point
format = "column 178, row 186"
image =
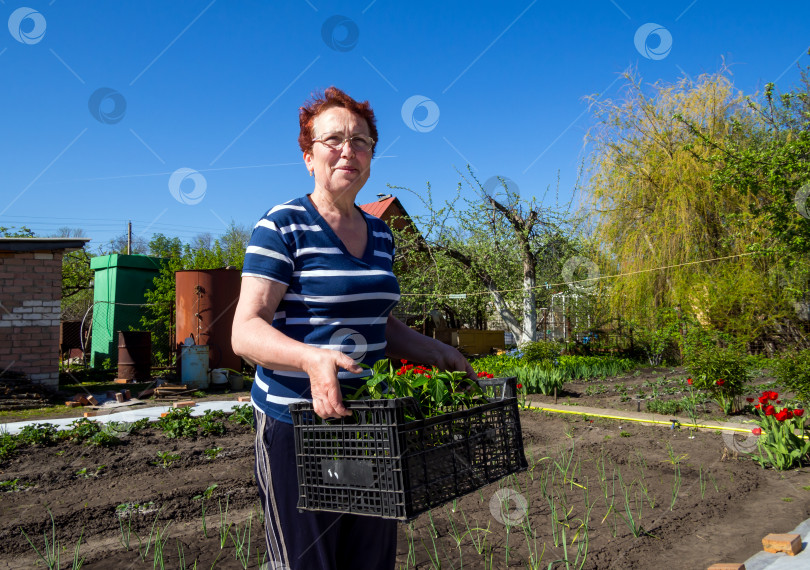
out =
column 102, row 102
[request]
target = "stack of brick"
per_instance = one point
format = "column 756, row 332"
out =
column 82, row 400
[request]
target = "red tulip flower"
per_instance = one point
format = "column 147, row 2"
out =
column 763, row 399
column 773, row 395
column 757, row 431
column 798, row 413
column 689, row 381
column 781, row 415
column 770, row 410
column 720, row 382
column 749, row 400
column 778, row 401
column 519, row 386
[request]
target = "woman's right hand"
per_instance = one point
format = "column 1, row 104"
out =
column 322, row 369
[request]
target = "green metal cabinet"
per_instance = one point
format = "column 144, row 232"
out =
column 120, row 284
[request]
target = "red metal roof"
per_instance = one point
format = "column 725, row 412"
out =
column 378, row 208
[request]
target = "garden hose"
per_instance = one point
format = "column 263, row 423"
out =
column 613, row 417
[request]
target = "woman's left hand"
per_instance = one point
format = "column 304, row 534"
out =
column 404, row 342
column 449, row 358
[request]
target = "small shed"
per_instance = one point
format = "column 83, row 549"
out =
column 389, row 209
column 30, row 306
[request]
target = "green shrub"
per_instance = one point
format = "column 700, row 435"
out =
column 8, row 445
column 722, row 373
column 699, row 339
column 665, row 407
column 209, row 422
column 243, row 415
column 83, row 429
column 139, row 425
column 103, row 439
column 178, row 423
column 659, row 341
column 584, row 367
column 792, row 371
column 539, row 377
column 496, row 364
column 541, row 350
column 37, row 434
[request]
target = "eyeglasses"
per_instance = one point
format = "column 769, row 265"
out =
column 334, row 141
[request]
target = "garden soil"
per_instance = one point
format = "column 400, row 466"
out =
column 690, row 500
column 642, row 388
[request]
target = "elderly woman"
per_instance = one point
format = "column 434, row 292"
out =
column 316, row 300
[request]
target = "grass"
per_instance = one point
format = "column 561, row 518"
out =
column 56, row 410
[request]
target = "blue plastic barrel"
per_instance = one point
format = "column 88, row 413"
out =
column 194, row 366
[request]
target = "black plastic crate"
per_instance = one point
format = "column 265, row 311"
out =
column 376, row 462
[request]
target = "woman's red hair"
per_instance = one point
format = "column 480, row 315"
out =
column 320, row 102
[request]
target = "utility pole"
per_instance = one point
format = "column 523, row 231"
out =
column 129, row 237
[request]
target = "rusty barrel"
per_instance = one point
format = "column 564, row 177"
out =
column 134, row 355
column 206, row 303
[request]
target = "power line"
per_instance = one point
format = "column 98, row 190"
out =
column 588, row 280
column 83, row 222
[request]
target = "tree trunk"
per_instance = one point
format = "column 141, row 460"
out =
column 529, row 304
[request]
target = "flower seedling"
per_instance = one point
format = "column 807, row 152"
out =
column 435, row 391
column 781, row 434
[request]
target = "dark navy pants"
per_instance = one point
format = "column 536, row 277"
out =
column 311, row 540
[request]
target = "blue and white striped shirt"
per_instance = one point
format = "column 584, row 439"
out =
column 333, row 299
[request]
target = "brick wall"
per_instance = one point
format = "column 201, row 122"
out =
column 30, row 296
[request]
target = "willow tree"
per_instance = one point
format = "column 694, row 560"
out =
column 770, row 165
column 496, row 245
column 652, row 197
